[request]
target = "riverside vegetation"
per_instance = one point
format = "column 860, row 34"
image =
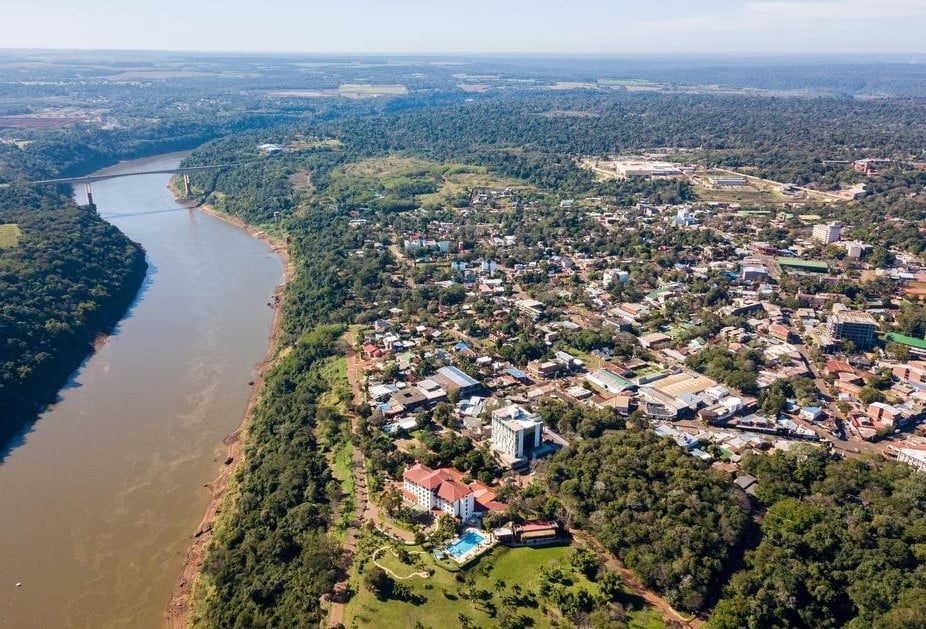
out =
column 68, row 277
column 701, row 550
column 837, row 543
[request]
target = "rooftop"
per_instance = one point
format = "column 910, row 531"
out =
column 818, row 266
column 457, row 377
column 902, row 339
column 849, row 316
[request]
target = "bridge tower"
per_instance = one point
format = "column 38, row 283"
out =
column 186, row 185
column 89, row 190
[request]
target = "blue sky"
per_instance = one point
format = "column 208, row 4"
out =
column 490, row 26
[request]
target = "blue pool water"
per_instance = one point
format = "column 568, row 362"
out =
column 463, row 545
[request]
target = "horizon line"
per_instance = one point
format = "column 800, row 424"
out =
column 509, row 53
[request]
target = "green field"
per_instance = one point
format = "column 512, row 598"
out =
column 396, row 178
column 333, row 434
column 501, row 587
column 364, row 90
column 334, row 373
column 9, row 235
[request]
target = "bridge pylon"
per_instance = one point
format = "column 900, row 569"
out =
column 89, row 189
column 186, row 185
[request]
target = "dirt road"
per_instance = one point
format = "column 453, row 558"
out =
column 631, row 582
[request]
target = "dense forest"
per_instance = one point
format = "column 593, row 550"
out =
column 670, row 518
column 272, row 559
column 843, row 544
column 68, row 277
column 269, row 564
column 540, row 134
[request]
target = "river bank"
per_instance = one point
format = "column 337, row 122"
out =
column 108, row 292
column 178, row 610
column 99, row 498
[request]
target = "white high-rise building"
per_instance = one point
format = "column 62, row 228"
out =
column 827, row 232
column 516, row 433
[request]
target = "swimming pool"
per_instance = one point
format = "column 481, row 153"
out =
column 464, row 544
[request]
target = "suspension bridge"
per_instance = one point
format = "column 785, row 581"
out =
column 89, row 180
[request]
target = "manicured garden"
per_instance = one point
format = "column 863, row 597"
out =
column 507, row 587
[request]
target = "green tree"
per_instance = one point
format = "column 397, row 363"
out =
column 379, row 583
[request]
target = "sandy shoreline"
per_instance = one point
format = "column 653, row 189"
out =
column 178, row 610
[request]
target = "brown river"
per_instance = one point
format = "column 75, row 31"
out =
column 99, row 498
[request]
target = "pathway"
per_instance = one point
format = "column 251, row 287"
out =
column 423, row 575
column 365, row 510
column 362, row 503
column 633, row 583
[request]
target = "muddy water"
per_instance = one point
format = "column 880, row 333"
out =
column 99, row 498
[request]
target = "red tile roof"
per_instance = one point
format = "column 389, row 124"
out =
column 536, row 525
column 451, row 491
column 494, row 505
column 422, row 475
column 446, row 480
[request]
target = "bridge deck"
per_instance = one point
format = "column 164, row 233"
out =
column 92, row 178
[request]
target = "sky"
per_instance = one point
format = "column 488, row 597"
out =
column 470, row 26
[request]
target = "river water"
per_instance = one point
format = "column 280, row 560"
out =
column 99, row 498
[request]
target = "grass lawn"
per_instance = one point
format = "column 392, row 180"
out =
column 341, row 467
column 9, row 235
column 334, row 373
column 358, row 90
column 334, row 437
column 591, row 362
column 419, row 562
column 454, row 184
column 439, row 600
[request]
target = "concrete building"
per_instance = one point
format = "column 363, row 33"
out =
column 913, row 456
column 854, row 250
column 754, row 273
column 870, row 165
column 659, row 405
column 614, row 276
column 827, row 232
column 656, row 340
column 858, row 327
column 729, row 182
column 606, row 380
column 914, row 371
column 439, row 489
column 531, row 307
column 647, row 169
column 516, row 433
column 452, row 379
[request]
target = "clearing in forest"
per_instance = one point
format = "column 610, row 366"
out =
column 413, row 182
column 10, row 233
